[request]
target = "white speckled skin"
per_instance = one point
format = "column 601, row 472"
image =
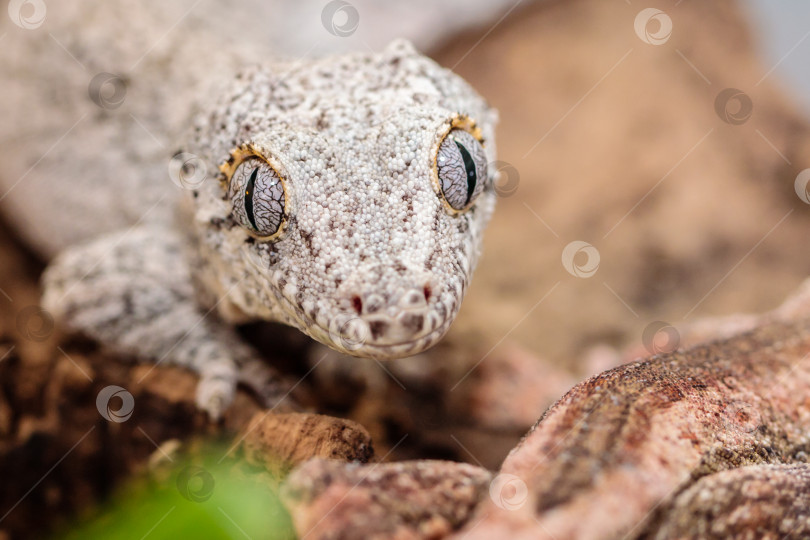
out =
column 370, row 260
column 355, row 140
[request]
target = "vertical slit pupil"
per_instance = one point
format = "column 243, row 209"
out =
column 249, row 198
column 469, row 165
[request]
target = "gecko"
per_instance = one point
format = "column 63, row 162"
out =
column 346, row 196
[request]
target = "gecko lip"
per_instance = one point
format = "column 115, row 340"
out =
column 369, row 320
column 352, row 335
column 355, row 337
column 382, row 350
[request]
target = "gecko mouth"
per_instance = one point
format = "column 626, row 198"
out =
column 364, row 338
column 357, row 346
column 412, row 328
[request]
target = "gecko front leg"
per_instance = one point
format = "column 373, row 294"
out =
column 132, row 291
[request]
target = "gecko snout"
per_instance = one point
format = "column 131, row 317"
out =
column 394, row 319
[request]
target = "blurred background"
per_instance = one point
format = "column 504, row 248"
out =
column 651, row 158
column 781, row 38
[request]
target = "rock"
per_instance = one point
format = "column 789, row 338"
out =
column 410, row 499
column 621, row 444
column 760, row 501
column 279, row 442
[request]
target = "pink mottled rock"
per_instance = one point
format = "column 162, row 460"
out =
column 622, row 444
column 404, row 500
column 766, row 502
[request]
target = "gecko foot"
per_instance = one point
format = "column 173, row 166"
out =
column 271, row 389
column 216, row 389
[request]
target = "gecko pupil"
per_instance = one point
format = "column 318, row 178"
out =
column 469, row 165
column 249, row 198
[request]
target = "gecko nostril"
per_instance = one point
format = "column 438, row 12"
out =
column 357, row 304
column 427, row 291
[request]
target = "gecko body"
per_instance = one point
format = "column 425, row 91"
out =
column 346, row 196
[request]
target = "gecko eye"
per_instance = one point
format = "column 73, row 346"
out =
column 462, row 168
column 257, row 196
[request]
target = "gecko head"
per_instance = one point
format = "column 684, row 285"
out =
column 352, row 199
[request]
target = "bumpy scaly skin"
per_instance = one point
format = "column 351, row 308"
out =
column 132, row 291
column 328, row 499
column 371, row 260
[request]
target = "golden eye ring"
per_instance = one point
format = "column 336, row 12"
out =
column 459, row 171
column 258, row 192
